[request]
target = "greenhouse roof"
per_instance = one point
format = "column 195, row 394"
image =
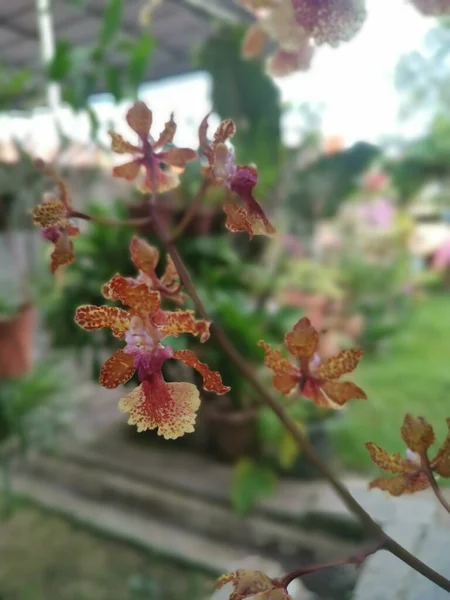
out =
column 177, row 25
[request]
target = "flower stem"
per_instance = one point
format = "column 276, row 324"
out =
column 433, row 483
column 302, row 441
column 354, row 559
column 110, row 222
column 191, row 211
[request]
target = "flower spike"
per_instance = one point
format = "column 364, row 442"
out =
column 170, row 408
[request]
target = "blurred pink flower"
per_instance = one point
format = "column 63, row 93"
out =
column 441, row 258
column 283, row 62
column 292, row 245
column 374, row 181
column 379, row 212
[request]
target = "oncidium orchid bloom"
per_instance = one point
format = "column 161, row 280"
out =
column 275, row 21
column 240, row 179
column 330, row 21
column 150, row 154
column 409, row 474
column 314, row 380
column 145, row 258
column 53, row 216
column 155, row 404
column 253, row 584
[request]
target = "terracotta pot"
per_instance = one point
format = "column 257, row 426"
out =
column 233, row 433
column 16, row 342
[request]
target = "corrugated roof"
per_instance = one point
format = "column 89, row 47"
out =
column 178, row 26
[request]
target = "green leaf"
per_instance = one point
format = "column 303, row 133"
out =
column 111, row 22
column 251, row 481
column 83, row 86
column 114, row 82
column 95, row 123
column 139, row 58
column 270, row 427
column 289, row 450
column 61, row 63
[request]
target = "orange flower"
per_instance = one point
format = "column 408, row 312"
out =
column 53, row 216
column 145, row 258
column 409, row 473
column 149, row 154
column 432, row 8
column 240, row 179
column 330, row 21
column 315, row 381
column 253, row 584
column 155, row 404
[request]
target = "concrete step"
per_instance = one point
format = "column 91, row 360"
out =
column 258, row 532
column 132, row 528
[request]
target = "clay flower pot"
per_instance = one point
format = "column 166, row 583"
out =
column 16, row 342
column 233, row 433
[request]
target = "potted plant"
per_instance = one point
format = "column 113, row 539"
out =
column 20, row 185
column 17, row 319
column 233, row 419
column 22, row 398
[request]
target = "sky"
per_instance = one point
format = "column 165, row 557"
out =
column 354, row 84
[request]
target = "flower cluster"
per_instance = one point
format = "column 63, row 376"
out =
column 154, row 404
column 53, row 216
column 239, row 179
column 411, row 474
column 296, row 26
column 314, row 380
column 149, row 155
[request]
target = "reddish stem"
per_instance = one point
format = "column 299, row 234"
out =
column 191, row 211
column 354, row 559
column 107, row 221
column 433, row 483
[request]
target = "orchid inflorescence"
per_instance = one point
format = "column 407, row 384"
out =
column 155, row 404
column 143, row 324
